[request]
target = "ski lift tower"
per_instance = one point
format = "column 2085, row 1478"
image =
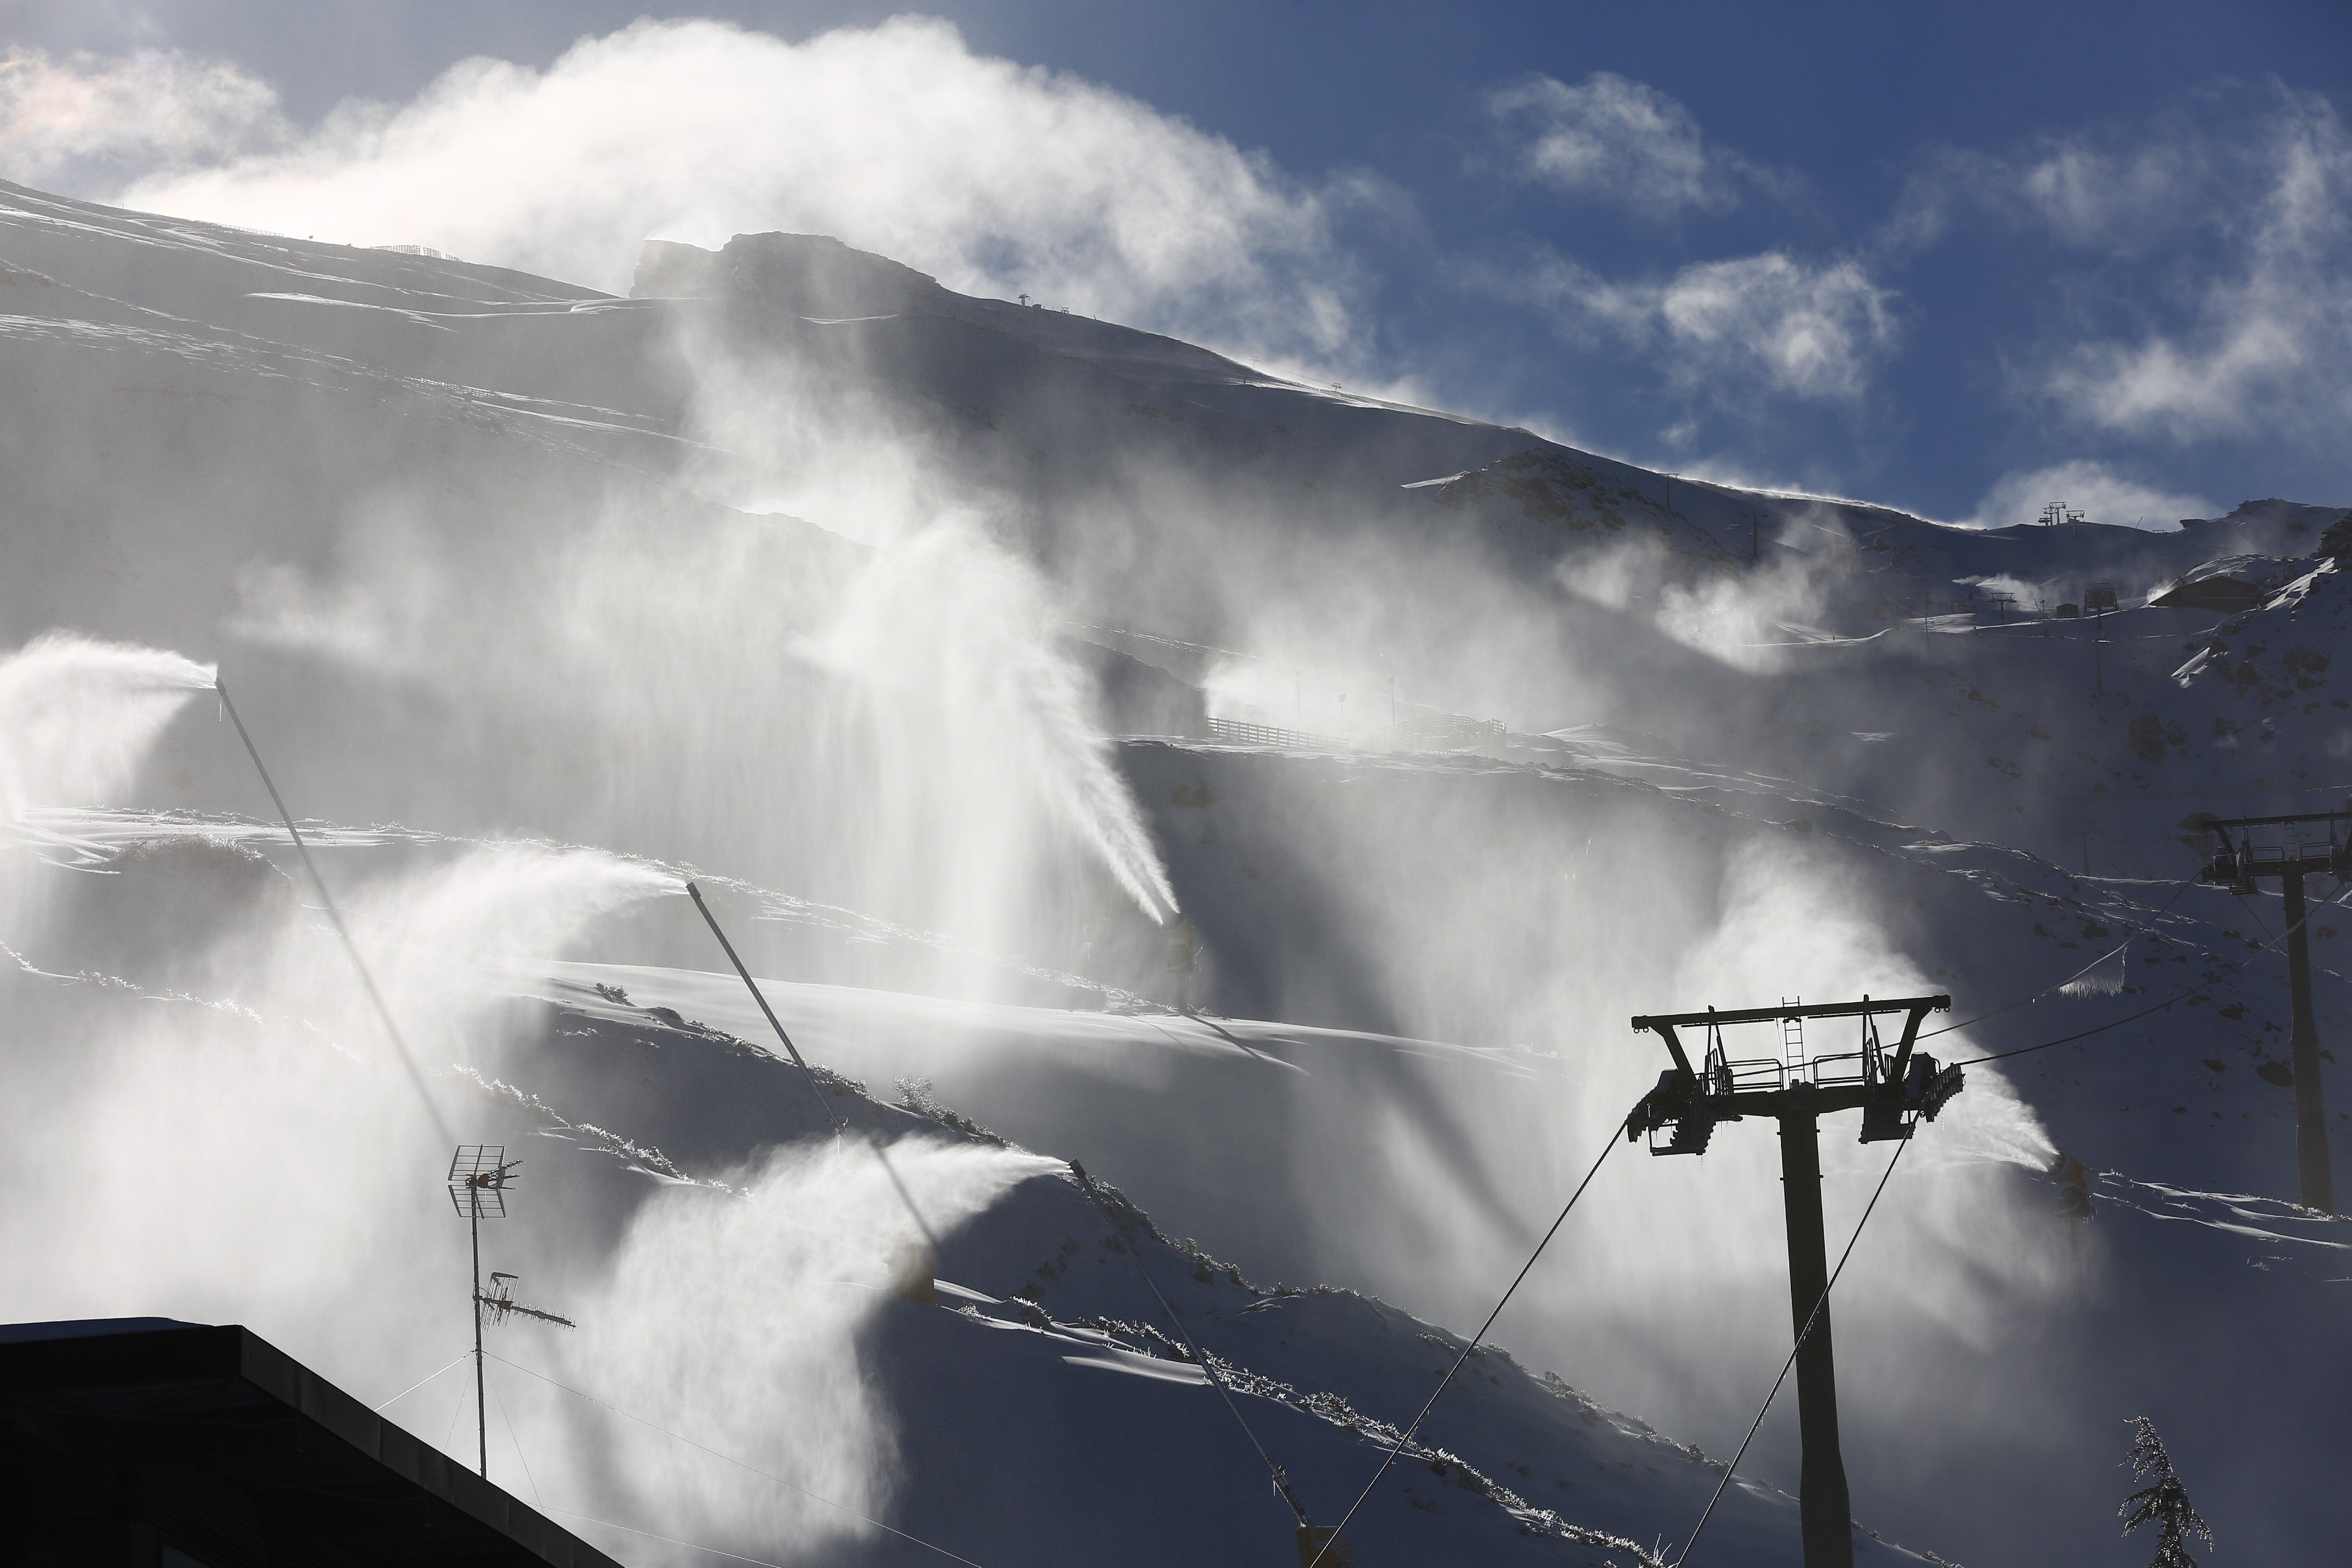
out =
column 1892, row 1089
column 2236, row 862
column 478, row 1174
column 2099, row 602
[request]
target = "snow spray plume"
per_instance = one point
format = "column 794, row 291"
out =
column 729, row 1326
column 899, row 137
column 962, row 631
column 1391, row 904
column 76, row 717
column 1746, row 619
column 945, row 632
column 245, row 1164
column 78, row 714
column 985, row 807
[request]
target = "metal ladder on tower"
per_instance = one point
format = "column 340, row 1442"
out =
column 1792, row 1038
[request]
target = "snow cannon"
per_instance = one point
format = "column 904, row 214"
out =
column 912, row 1279
column 1323, row 1544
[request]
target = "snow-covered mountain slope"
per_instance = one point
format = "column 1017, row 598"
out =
column 1457, row 748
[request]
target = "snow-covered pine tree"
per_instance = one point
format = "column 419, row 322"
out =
column 2164, row 1499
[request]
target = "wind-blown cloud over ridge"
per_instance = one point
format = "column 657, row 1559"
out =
column 999, row 178
column 2269, row 335
column 2220, row 230
column 86, row 117
column 1614, row 139
column 2098, row 490
column 1811, row 331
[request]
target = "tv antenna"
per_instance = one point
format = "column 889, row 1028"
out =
column 478, row 1175
column 1893, row 1089
column 500, row 1303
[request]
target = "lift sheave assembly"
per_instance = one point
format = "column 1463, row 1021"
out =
column 1893, row 1090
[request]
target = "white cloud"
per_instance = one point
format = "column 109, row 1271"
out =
column 998, row 178
column 2087, row 196
column 2223, row 231
column 2094, row 489
column 1616, row 139
column 2267, row 345
column 82, row 117
column 2121, row 199
column 1808, row 331
column 1813, row 330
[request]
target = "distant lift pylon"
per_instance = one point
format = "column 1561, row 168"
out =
column 1893, row 1089
column 2234, row 861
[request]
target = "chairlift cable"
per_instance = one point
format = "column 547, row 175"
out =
column 2233, row 964
column 716, row 1453
column 1446, row 1381
column 334, row 916
column 2060, row 984
column 1810, row 1318
column 1126, row 1229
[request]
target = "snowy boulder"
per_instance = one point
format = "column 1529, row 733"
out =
column 2230, row 585
column 808, row 274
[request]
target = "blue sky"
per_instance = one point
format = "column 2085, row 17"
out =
column 1951, row 258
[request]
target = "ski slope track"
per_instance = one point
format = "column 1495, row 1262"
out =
column 896, row 620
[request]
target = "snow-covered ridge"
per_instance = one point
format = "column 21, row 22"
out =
column 499, row 556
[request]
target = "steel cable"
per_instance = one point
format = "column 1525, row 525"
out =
column 1406, row 1441
column 1135, row 1254
column 1810, row 1318
column 2060, row 984
column 2233, row 964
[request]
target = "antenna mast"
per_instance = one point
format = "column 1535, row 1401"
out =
column 478, row 1174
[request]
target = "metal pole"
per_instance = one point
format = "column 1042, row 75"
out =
column 2311, row 1161
column 1822, row 1501
column 481, row 1418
